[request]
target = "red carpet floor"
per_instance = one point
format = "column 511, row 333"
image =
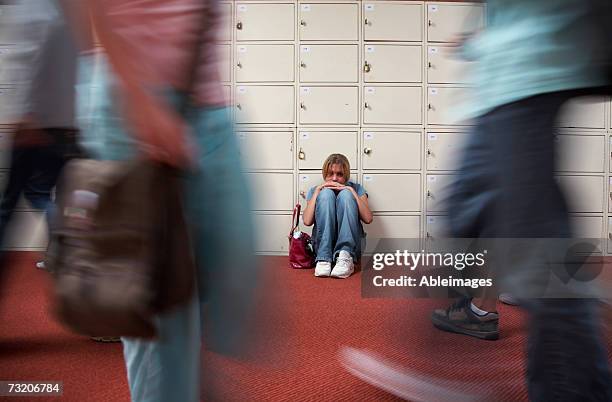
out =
column 304, row 321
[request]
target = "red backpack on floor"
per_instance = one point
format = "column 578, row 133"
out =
column 301, row 254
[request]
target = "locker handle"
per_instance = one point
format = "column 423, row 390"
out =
column 367, row 150
column 302, row 64
column 428, row 235
column 610, row 236
column 611, row 194
column 429, row 64
column 239, row 106
column 367, row 67
column 301, row 155
column 429, row 152
column 429, row 107
column 239, row 65
column 303, row 194
column 303, row 23
column 239, row 25
column 366, row 21
column 367, row 106
column 428, row 194
column 429, row 23
column 302, row 106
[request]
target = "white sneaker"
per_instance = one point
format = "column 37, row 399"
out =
column 323, row 268
column 344, row 265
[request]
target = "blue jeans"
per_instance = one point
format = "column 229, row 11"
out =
column 506, row 189
column 337, row 226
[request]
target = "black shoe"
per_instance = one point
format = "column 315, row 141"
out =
column 459, row 318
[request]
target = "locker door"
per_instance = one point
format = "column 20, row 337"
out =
column 253, row 21
column 446, row 21
column 441, row 103
column 5, row 52
column 391, row 192
column 444, row 150
column 265, row 104
column 265, row 63
column 315, row 146
column 276, row 228
column 392, row 63
column 329, row 22
column 271, row 191
column 438, row 187
column 580, row 153
column 262, row 150
column 329, row 63
column 584, row 193
column 390, row 21
column 444, row 68
column 392, row 105
column 586, row 112
column 329, row 105
column 391, row 227
column 391, row 150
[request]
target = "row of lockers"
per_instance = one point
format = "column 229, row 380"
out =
column 377, row 21
column 378, row 105
column 428, row 227
column 340, row 63
column 29, row 230
column 402, row 192
column 582, row 152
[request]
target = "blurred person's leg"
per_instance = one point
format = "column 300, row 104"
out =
column 166, row 369
column 566, row 357
column 471, row 201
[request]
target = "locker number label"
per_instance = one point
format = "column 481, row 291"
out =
column 305, row 90
column 369, row 7
column 305, row 7
column 242, row 136
column 242, row 90
column 305, row 136
column 242, row 8
column 433, row 8
column 370, row 90
column 368, row 136
column 370, row 49
column 242, row 49
column 433, row 91
column 305, row 49
column 432, row 137
column 433, row 50
column 368, row 177
column 432, row 178
column 431, row 219
column 304, row 178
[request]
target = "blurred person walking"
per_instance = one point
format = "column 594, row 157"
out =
column 533, row 56
column 42, row 67
column 140, row 96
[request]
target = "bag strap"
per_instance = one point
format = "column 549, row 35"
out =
column 295, row 220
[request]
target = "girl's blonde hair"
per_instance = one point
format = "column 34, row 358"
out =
column 336, row 159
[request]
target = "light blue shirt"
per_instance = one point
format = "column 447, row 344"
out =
column 531, row 47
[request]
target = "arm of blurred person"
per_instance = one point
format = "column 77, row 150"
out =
column 161, row 131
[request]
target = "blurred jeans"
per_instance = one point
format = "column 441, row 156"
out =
column 506, row 189
column 337, row 226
